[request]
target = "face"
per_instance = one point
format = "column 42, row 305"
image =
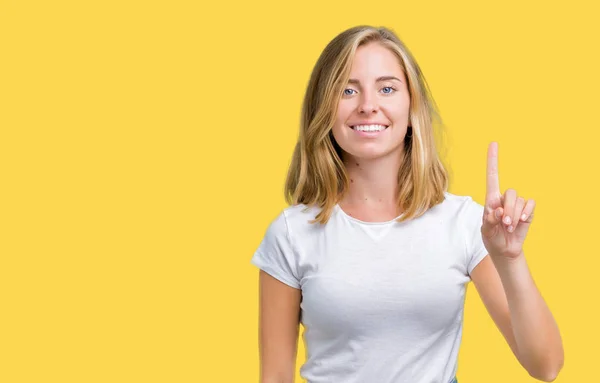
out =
column 373, row 111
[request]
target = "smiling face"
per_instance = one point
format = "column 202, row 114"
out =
column 373, row 112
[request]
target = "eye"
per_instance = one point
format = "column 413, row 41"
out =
column 391, row 88
column 348, row 94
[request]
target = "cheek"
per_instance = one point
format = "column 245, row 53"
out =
column 344, row 111
column 341, row 119
column 396, row 109
column 341, row 135
column 338, row 132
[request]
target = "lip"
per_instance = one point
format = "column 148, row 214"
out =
column 369, row 123
column 369, row 134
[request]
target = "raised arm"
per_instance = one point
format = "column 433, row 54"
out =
column 520, row 307
column 279, row 321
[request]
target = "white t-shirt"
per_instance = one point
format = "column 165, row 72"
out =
column 381, row 302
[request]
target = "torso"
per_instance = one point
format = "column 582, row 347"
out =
column 382, row 301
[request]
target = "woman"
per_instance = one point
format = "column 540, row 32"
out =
column 373, row 256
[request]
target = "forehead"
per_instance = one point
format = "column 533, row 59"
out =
column 374, row 60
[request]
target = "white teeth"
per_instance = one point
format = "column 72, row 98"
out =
column 369, row 128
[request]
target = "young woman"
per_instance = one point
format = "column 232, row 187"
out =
column 373, row 255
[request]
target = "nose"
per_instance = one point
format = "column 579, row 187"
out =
column 368, row 104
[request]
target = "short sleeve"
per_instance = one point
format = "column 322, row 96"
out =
column 476, row 250
column 275, row 254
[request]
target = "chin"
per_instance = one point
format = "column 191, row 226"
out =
column 370, row 154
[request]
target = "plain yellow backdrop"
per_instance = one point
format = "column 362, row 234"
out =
column 143, row 150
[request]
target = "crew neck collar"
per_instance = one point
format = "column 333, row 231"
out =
column 348, row 216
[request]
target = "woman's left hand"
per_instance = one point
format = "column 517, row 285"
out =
column 506, row 217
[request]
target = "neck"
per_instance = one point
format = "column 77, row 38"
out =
column 373, row 182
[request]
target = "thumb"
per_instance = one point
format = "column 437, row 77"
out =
column 491, row 218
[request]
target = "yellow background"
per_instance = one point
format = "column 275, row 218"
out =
column 144, row 147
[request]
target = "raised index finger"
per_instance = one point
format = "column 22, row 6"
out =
column 493, row 184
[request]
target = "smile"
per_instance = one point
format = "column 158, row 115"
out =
column 369, row 130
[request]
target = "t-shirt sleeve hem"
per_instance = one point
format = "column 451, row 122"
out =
column 256, row 261
column 478, row 258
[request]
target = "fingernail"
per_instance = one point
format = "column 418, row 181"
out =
column 524, row 217
column 507, row 220
column 510, row 228
column 498, row 214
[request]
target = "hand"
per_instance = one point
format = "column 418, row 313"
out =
column 506, row 217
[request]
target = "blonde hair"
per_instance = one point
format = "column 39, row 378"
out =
column 317, row 175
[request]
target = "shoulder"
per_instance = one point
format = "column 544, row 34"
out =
column 298, row 216
column 292, row 218
column 458, row 205
column 300, row 211
column 458, row 200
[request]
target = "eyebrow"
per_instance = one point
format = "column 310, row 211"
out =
column 382, row 78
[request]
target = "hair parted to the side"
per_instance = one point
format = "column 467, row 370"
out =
column 317, row 175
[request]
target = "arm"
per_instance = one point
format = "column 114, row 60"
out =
column 279, row 314
column 515, row 304
column 505, row 223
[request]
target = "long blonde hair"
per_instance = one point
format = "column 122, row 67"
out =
column 317, row 175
